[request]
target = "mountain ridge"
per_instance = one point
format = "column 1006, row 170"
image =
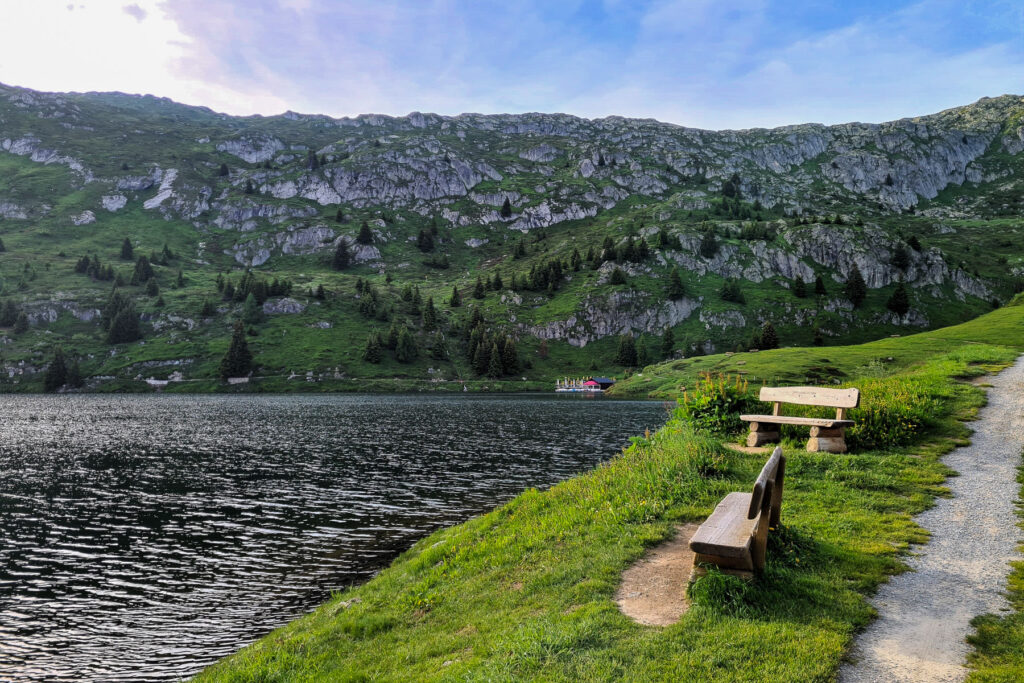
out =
column 497, row 195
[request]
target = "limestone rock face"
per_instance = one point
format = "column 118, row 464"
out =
column 12, row 210
column 618, row 313
column 254, row 149
column 84, row 218
column 284, row 305
column 542, row 215
column 243, row 215
column 542, row 152
column 164, row 192
column 114, row 202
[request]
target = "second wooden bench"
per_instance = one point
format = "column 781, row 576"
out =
column 827, row 434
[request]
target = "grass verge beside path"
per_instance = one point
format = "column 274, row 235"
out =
column 999, row 640
column 526, row 591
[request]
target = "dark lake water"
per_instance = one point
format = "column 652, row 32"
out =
column 142, row 538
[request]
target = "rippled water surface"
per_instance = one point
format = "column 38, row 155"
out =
column 142, row 538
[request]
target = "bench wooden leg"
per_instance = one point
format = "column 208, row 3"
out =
column 824, row 439
column 762, row 433
column 742, row 567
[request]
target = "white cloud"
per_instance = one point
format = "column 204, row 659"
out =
column 708, row 63
column 135, row 11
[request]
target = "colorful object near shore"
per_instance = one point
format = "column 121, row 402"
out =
column 583, row 384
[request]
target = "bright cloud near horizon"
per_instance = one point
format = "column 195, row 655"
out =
column 703, row 63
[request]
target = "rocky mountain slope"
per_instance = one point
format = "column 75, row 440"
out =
column 930, row 205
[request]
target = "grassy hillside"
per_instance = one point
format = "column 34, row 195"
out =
column 933, row 203
column 525, row 592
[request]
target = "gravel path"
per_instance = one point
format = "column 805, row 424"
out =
column 961, row 572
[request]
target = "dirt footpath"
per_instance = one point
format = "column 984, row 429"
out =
column 924, row 615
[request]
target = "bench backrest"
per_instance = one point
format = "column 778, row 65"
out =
column 767, row 496
column 812, row 396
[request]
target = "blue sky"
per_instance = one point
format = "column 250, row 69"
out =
column 705, row 63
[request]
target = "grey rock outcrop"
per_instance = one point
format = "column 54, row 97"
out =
column 254, row 149
column 285, row 305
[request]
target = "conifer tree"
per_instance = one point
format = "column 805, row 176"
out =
column 769, row 338
column 57, row 372
column 617, row 277
column 643, row 355
column 372, row 352
column 664, row 240
column 208, row 309
column 510, row 357
column 143, row 271
column 152, row 288
column 575, row 261
column 899, row 302
column 626, row 353
column 8, row 313
column 223, row 170
column 668, row 343
column 2, row 247
column 237, row 362
column 21, row 323
column 799, row 288
column 506, row 209
column 542, row 350
column 914, row 243
column 478, row 289
column 495, row 369
column 438, row 351
column 425, row 241
column 405, row 350
column 249, row 189
column 482, row 358
column 819, row 286
column 124, row 326
column 456, row 300
column 339, row 217
column 520, row 250
column 127, row 251
column 74, row 376
column 818, row 339
column 181, row 279
column 365, row 235
column 391, row 341
column 429, row 315
column 855, row 289
column 675, row 290
column 900, row 257
column 341, row 256
column 252, row 313
column 708, row 244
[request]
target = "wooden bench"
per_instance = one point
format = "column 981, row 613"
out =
column 827, row 434
column 734, row 538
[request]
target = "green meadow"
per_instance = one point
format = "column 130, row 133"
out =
column 526, row 592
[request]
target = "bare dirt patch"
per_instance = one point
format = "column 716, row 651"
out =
column 741, row 448
column 653, row 591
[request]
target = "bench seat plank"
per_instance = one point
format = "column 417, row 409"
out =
column 727, row 532
column 805, row 421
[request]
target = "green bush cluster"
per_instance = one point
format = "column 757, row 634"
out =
column 715, row 404
column 893, row 411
